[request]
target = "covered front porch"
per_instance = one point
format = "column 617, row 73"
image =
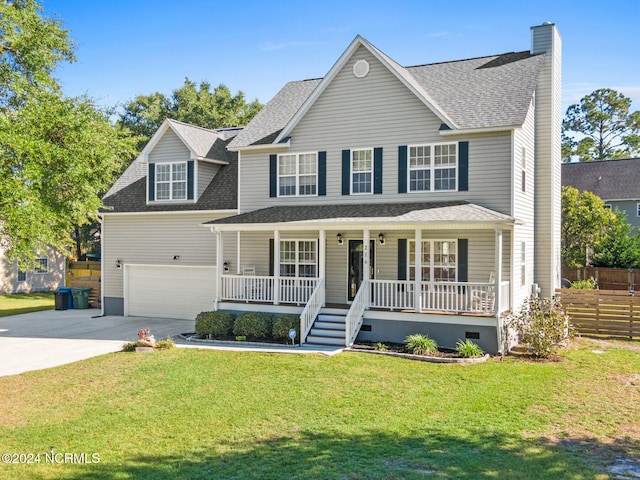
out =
column 407, row 264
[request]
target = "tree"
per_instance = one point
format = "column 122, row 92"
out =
column 585, row 223
column 601, row 127
column 191, row 103
column 619, row 248
column 57, row 154
column 30, row 49
column 588, row 226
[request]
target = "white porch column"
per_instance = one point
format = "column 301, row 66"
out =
column 219, row 267
column 498, row 279
column 276, row 267
column 498, row 247
column 366, row 255
column 417, row 287
column 322, row 256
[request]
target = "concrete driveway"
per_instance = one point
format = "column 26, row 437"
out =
column 33, row 341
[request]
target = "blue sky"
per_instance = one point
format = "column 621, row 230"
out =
column 132, row 47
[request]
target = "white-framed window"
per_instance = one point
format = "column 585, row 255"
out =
column 523, row 263
column 298, row 258
column 433, row 167
column 362, row 171
column 608, row 207
column 42, row 265
column 638, row 209
column 297, row 174
column 439, row 260
column 171, row 181
column 22, row 276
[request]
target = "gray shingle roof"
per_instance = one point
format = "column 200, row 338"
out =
column 373, row 213
column 493, row 91
column 484, row 92
column 276, row 114
column 609, row 179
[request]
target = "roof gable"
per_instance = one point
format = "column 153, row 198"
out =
column 399, row 72
column 492, row 92
column 203, row 144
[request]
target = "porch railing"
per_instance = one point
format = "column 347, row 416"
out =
column 353, row 320
column 459, row 297
column 297, row 290
column 246, row 288
column 311, row 310
column 252, row 288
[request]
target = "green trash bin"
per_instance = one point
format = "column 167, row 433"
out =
column 80, row 297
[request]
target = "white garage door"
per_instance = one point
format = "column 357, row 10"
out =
column 168, row 291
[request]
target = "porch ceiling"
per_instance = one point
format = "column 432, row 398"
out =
column 394, row 216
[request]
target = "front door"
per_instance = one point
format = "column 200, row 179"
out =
column 356, row 274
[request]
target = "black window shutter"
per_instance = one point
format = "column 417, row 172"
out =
column 463, row 256
column 271, row 269
column 190, row 185
column 346, row 172
column 463, row 166
column 152, row 182
column 273, row 175
column 402, row 169
column 377, row 170
column 322, row 173
column 402, row 259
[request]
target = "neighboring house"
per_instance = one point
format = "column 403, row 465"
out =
column 616, row 182
column 48, row 276
column 377, row 202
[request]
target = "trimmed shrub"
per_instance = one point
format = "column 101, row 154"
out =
column 282, row 324
column 468, row 349
column 253, row 325
column 419, row 344
column 216, row 324
column 129, row 347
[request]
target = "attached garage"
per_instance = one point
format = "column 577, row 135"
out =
column 168, row 291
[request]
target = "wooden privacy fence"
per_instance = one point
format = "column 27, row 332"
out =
column 607, row 278
column 86, row 274
column 602, row 312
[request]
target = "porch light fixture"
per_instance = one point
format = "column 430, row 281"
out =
column 118, row 264
column 381, row 238
column 176, row 257
column 339, row 238
column 226, row 265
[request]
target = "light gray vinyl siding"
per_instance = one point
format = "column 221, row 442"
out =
column 254, row 251
column 378, row 111
column 155, row 239
column 524, row 209
column 170, row 149
column 629, row 208
column 548, row 159
column 206, row 172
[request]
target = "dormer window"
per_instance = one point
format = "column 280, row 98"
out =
column 171, row 181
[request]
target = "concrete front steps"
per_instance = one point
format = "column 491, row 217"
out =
column 328, row 329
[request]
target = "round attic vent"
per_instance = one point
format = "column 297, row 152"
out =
column 361, row 68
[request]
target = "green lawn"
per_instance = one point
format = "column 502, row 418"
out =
column 196, row 414
column 25, row 303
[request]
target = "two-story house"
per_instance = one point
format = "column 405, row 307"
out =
column 375, row 202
